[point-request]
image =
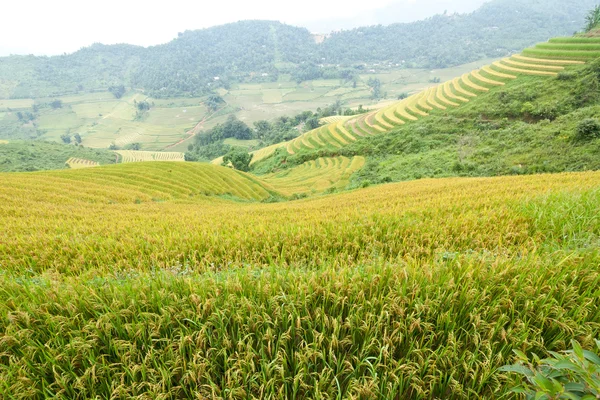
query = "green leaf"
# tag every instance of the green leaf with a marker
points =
(571, 396)
(564, 364)
(517, 368)
(592, 357)
(577, 349)
(544, 383)
(575, 387)
(541, 396)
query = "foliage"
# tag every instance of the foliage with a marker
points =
(593, 19)
(133, 146)
(375, 85)
(207, 152)
(588, 128)
(18, 156)
(247, 50)
(214, 101)
(118, 91)
(574, 374)
(527, 126)
(239, 159)
(232, 128)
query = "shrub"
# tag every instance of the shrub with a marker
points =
(588, 129)
(574, 374)
(566, 76)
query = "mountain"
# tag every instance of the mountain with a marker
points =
(404, 11)
(261, 50)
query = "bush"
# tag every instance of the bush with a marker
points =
(566, 76)
(588, 129)
(574, 374)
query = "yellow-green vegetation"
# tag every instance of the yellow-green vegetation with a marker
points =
(139, 281)
(129, 156)
(3, 141)
(338, 131)
(315, 176)
(36, 155)
(76, 163)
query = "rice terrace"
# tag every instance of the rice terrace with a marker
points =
(409, 210)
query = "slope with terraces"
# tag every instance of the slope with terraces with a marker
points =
(544, 60)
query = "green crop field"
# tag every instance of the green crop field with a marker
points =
(336, 267)
(451, 94)
(172, 280)
(101, 120)
(316, 176)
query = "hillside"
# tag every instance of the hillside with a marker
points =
(417, 249)
(255, 51)
(523, 114)
(20, 156)
(142, 280)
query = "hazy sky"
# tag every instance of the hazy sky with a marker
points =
(54, 27)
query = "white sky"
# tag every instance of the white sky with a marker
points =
(54, 27)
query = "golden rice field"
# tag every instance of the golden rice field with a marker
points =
(3, 141)
(173, 280)
(315, 176)
(545, 60)
(129, 156)
(76, 163)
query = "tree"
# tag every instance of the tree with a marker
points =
(239, 158)
(262, 128)
(234, 128)
(117, 91)
(66, 138)
(214, 101)
(77, 138)
(133, 146)
(143, 106)
(593, 19)
(311, 123)
(375, 85)
(56, 104)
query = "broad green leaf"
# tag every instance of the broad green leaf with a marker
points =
(577, 349)
(592, 357)
(518, 368)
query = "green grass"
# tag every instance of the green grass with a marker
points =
(575, 39)
(17, 156)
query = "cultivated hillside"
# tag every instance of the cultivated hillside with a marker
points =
(148, 281)
(521, 114)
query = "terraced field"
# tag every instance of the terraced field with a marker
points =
(545, 60)
(134, 183)
(315, 176)
(129, 156)
(77, 163)
(567, 48)
(138, 281)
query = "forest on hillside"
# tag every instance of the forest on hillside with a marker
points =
(198, 62)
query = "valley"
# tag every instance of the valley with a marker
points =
(242, 213)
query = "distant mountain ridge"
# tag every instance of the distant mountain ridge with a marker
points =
(262, 50)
